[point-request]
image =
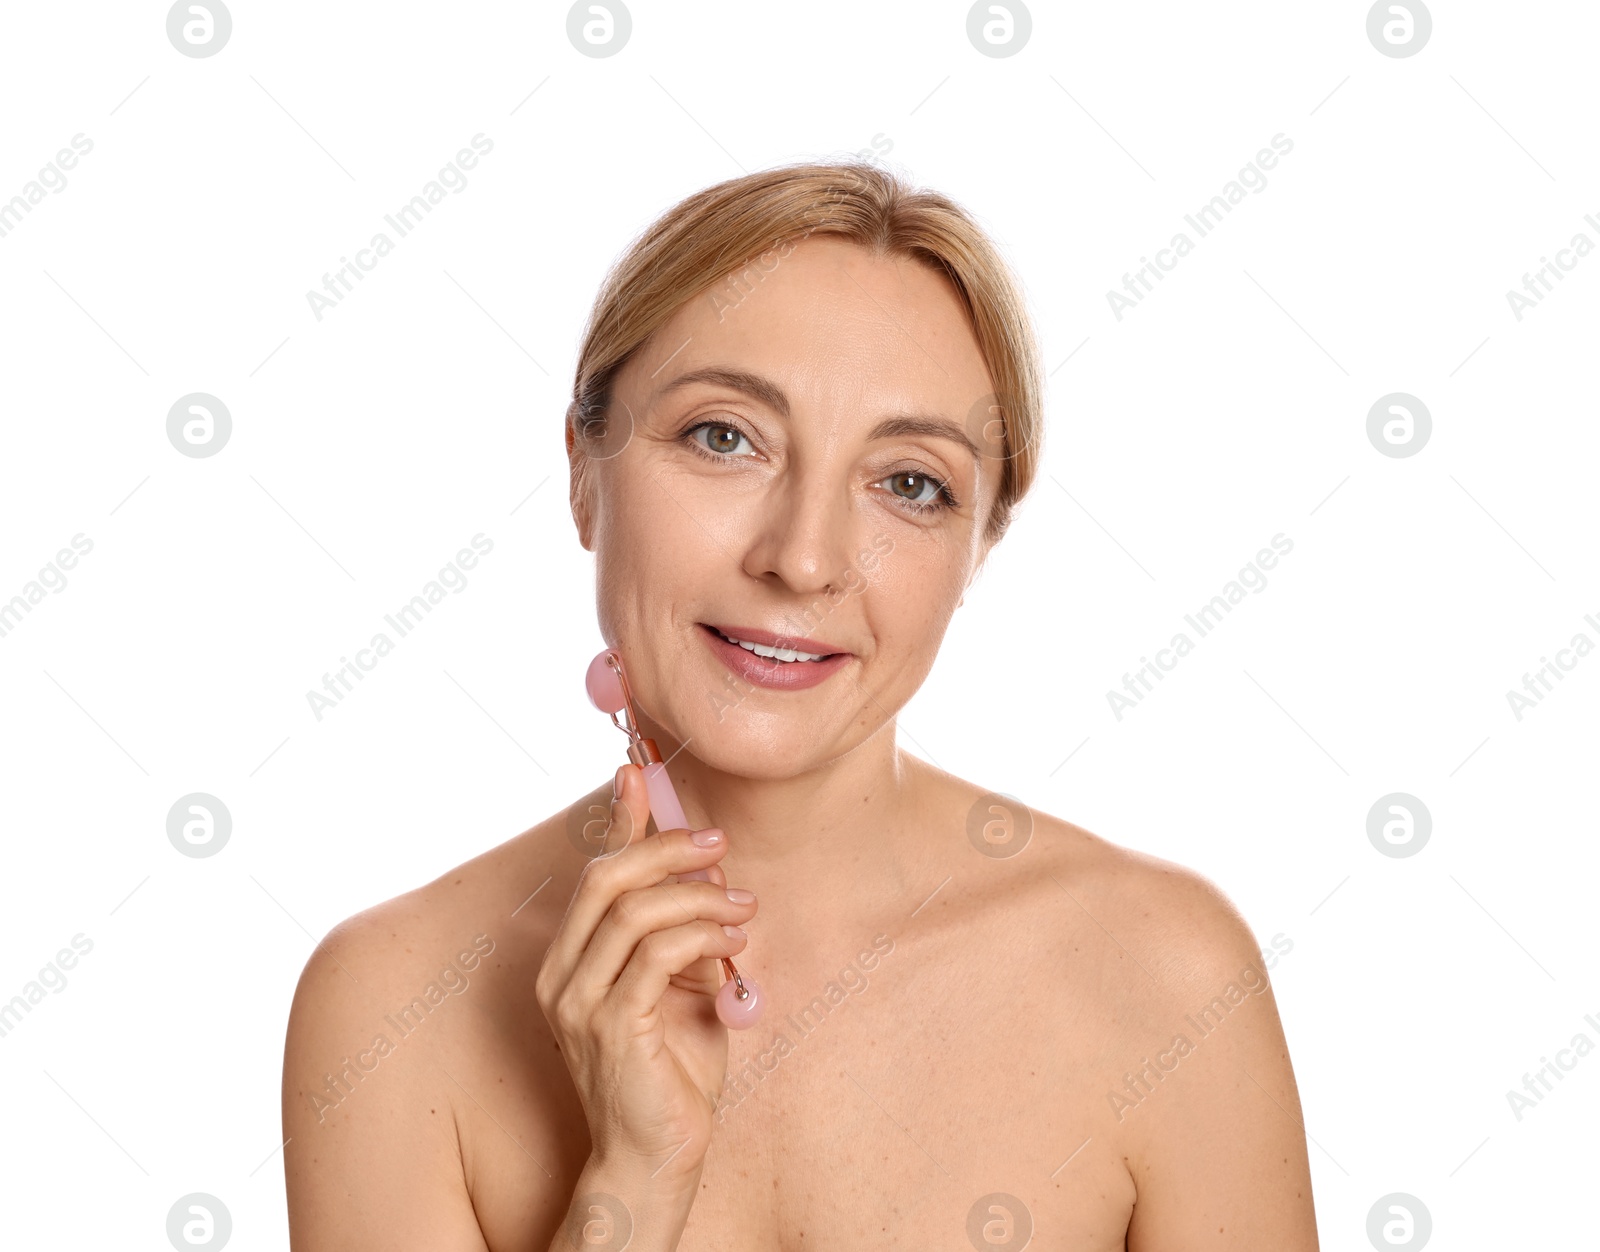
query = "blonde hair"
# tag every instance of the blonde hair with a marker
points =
(726, 229)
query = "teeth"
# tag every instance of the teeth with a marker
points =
(775, 654)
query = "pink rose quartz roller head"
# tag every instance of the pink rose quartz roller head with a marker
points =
(739, 1000)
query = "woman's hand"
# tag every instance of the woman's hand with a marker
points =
(628, 985)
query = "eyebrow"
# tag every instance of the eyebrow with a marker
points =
(771, 395)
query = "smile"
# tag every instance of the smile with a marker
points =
(773, 661)
(776, 654)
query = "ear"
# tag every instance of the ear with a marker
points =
(579, 489)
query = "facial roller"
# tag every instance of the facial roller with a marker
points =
(739, 1000)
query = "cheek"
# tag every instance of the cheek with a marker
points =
(622, 567)
(911, 595)
(654, 552)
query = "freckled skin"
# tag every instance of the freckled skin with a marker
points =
(984, 1009)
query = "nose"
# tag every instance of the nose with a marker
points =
(803, 537)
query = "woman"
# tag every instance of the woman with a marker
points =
(806, 405)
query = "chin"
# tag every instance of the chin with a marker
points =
(750, 732)
(766, 746)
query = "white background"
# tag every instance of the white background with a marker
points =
(369, 446)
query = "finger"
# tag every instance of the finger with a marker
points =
(706, 975)
(642, 863)
(711, 874)
(629, 818)
(637, 914)
(626, 821)
(703, 975)
(664, 955)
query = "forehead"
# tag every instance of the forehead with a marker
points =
(842, 332)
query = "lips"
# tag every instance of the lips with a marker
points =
(754, 634)
(782, 663)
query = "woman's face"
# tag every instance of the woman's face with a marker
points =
(793, 467)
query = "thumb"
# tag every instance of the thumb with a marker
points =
(630, 809)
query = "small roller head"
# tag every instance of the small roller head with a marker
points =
(737, 1014)
(605, 688)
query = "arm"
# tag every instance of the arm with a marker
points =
(1221, 1163)
(372, 1159)
(382, 1147)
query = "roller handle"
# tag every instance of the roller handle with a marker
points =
(664, 806)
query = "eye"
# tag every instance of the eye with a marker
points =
(918, 489)
(722, 440)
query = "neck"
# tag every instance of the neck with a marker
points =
(816, 821)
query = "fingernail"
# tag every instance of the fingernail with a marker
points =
(740, 896)
(710, 837)
(733, 932)
(616, 783)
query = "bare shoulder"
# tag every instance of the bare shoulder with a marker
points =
(1185, 926)
(1171, 940)
(427, 944)
(406, 1023)
(1198, 1087)
(1172, 919)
